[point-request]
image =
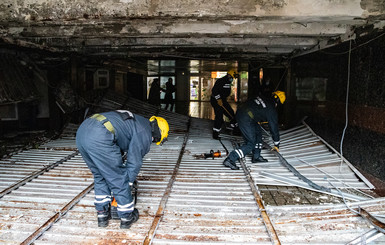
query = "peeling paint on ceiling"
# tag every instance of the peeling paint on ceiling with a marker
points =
(140, 27)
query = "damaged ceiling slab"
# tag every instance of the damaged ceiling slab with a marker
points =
(260, 30)
(47, 193)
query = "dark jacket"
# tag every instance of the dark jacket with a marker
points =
(170, 89)
(222, 88)
(154, 95)
(260, 109)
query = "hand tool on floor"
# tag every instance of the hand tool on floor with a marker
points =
(212, 154)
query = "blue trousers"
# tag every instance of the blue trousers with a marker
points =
(103, 157)
(252, 135)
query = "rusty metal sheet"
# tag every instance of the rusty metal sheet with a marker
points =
(310, 157)
(16, 169)
(80, 225)
(324, 224)
(36, 201)
(209, 203)
(195, 201)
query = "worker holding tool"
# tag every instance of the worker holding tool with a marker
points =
(218, 100)
(102, 140)
(249, 116)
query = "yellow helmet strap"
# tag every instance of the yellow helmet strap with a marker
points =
(164, 140)
(156, 134)
(276, 98)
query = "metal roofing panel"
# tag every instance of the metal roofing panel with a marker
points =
(80, 225)
(314, 159)
(324, 224)
(185, 200)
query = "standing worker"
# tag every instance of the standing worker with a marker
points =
(249, 116)
(155, 90)
(218, 100)
(168, 97)
(102, 140)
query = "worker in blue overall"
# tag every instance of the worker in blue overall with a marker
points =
(102, 140)
(250, 115)
(218, 100)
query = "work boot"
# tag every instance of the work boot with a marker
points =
(231, 164)
(126, 222)
(259, 159)
(103, 218)
(216, 135)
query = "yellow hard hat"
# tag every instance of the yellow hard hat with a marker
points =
(163, 127)
(232, 73)
(279, 96)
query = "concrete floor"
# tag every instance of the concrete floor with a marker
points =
(198, 109)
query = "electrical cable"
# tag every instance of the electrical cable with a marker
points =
(346, 106)
(343, 198)
(283, 74)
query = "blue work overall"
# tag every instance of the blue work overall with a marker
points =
(101, 139)
(249, 115)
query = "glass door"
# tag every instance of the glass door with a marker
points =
(194, 88)
(163, 81)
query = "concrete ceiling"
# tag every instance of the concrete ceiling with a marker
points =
(270, 31)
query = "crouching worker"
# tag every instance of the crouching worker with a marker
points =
(249, 116)
(101, 139)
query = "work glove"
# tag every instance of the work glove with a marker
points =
(220, 102)
(275, 148)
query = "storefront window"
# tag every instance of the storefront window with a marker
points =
(311, 88)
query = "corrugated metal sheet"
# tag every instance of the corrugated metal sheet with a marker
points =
(24, 166)
(208, 202)
(310, 156)
(30, 206)
(325, 224)
(184, 200)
